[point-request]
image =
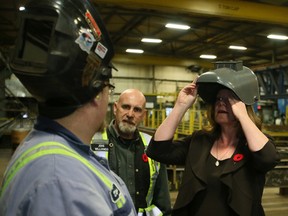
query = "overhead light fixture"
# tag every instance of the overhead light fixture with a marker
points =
(21, 8)
(151, 40)
(237, 47)
(277, 37)
(177, 26)
(205, 56)
(139, 51)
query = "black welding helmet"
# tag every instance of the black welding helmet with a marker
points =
(63, 52)
(232, 75)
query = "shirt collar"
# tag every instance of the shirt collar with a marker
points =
(48, 125)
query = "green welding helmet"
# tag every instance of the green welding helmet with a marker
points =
(231, 75)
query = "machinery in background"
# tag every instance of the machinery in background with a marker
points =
(18, 109)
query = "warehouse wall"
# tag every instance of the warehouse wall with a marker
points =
(151, 79)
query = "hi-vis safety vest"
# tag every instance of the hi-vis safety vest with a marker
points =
(154, 166)
(55, 148)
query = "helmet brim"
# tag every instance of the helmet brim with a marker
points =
(243, 83)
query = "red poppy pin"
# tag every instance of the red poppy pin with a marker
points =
(238, 157)
(144, 157)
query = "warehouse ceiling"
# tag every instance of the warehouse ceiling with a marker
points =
(215, 25)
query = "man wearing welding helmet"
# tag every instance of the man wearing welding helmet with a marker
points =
(63, 57)
(225, 163)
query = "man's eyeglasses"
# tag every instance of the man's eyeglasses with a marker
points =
(111, 88)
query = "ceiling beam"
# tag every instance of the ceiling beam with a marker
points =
(233, 9)
(158, 60)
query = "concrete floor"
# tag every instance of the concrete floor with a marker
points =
(274, 204)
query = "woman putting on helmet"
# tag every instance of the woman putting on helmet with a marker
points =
(225, 164)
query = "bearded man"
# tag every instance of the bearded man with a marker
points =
(124, 146)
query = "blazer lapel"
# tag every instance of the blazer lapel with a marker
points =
(199, 153)
(238, 159)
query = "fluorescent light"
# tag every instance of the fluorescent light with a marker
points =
(177, 26)
(278, 37)
(151, 40)
(237, 47)
(205, 56)
(134, 51)
(21, 8)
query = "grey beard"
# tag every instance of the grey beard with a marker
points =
(126, 128)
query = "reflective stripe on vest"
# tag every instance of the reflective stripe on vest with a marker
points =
(55, 148)
(154, 170)
(154, 167)
(150, 211)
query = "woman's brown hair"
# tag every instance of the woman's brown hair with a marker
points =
(214, 128)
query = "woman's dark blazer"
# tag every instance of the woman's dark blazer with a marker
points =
(245, 178)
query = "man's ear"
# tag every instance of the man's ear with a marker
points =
(144, 113)
(96, 99)
(115, 107)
